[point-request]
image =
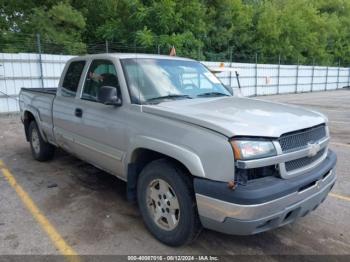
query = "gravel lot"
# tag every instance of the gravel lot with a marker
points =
(89, 208)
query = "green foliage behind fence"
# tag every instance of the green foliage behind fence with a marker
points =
(296, 31)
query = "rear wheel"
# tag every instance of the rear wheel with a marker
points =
(167, 203)
(41, 150)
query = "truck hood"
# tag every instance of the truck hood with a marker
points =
(236, 116)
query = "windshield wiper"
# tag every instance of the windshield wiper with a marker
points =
(171, 96)
(208, 94)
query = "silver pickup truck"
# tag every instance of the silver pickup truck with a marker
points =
(192, 154)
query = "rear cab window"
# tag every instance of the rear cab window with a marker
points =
(72, 78)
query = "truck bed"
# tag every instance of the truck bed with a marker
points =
(39, 101)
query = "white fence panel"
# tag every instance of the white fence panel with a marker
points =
(23, 70)
(304, 79)
(344, 77)
(268, 79)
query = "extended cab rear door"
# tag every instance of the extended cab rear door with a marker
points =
(65, 114)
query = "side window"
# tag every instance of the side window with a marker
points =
(101, 73)
(71, 79)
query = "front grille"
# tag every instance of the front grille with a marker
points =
(299, 139)
(302, 162)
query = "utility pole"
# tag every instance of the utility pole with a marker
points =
(231, 57)
(38, 43)
(338, 74)
(313, 74)
(107, 47)
(326, 84)
(297, 77)
(256, 74)
(278, 73)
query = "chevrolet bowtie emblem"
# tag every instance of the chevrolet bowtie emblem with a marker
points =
(313, 149)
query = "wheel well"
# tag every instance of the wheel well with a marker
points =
(140, 158)
(28, 118)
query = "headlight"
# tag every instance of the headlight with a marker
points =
(250, 149)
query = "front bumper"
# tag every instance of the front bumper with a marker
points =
(264, 203)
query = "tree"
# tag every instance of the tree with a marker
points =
(60, 28)
(298, 30)
(337, 13)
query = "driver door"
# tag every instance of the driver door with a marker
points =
(101, 136)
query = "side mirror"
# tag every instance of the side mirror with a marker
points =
(108, 95)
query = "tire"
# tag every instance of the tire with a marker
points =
(183, 225)
(41, 150)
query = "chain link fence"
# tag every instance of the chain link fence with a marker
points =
(35, 63)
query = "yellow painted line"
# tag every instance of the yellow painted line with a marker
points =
(45, 224)
(340, 196)
(340, 144)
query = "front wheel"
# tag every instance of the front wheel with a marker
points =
(41, 150)
(167, 203)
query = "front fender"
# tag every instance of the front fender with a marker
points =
(184, 155)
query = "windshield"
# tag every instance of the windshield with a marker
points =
(155, 80)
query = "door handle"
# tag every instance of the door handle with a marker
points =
(78, 112)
